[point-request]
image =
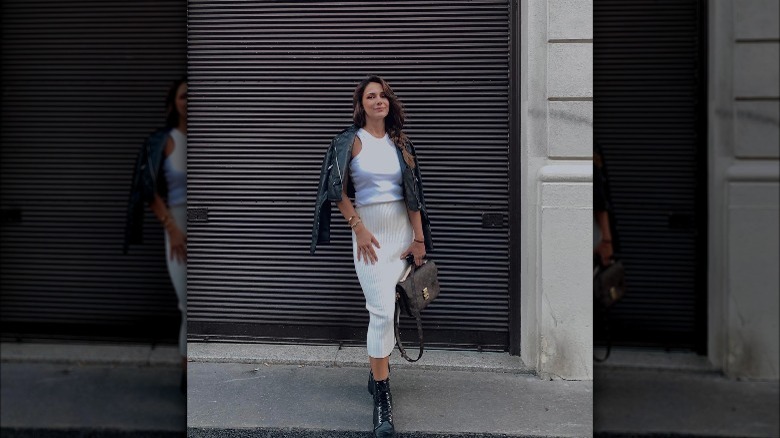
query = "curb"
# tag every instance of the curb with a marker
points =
(614, 434)
(353, 357)
(10, 432)
(91, 354)
(195, 432)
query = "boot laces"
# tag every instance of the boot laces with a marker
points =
(385, 403)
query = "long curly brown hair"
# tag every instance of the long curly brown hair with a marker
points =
(394, 122)
(171, 113)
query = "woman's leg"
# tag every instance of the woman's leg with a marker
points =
(390, 225)
(178, 273)
(380, 367)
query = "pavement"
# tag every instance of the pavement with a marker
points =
(239, 390)
(78, 390)
(645, 393)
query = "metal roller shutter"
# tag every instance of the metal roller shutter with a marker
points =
(649, 69)
(271, 84)
(83, 83)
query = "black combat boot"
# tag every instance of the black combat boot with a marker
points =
(383, 410)
(371, 379)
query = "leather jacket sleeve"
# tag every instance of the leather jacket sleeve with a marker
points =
(147, 181)
(421, 199)
(320, 232)
(152, 176)
(135, 206)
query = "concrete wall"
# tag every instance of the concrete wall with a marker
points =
(744, 175)
(557, 214)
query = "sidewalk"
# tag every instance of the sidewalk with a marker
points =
(289, 391)
(658, 394)
(239, 390)
(80, 390)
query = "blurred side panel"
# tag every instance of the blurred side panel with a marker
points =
(650, 119)
(744, 188)
(83, 83)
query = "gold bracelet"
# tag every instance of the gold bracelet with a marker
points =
(349, 221)
(355, 224)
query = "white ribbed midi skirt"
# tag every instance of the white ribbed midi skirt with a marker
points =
(389, 223)
(178, 272)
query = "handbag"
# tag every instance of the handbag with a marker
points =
(609, 286)
(416, 289)
(609, 283)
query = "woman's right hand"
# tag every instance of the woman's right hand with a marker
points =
(178, 242)
(365, 245)
(605, 252)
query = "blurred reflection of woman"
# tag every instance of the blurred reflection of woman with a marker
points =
(160, 181)
(173, 216)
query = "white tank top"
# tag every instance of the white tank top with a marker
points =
(175, 166)
(375, 171)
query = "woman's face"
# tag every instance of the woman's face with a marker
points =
(181, 99)
(375, 103)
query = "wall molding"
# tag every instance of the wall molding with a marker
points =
(754, 171)
(567, 173)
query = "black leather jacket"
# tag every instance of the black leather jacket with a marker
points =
(148, 179)
(334, 167)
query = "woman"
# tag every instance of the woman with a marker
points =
(173, 216)
(160, 181)
(374, 160)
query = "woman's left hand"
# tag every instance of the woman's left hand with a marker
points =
(416, 249)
